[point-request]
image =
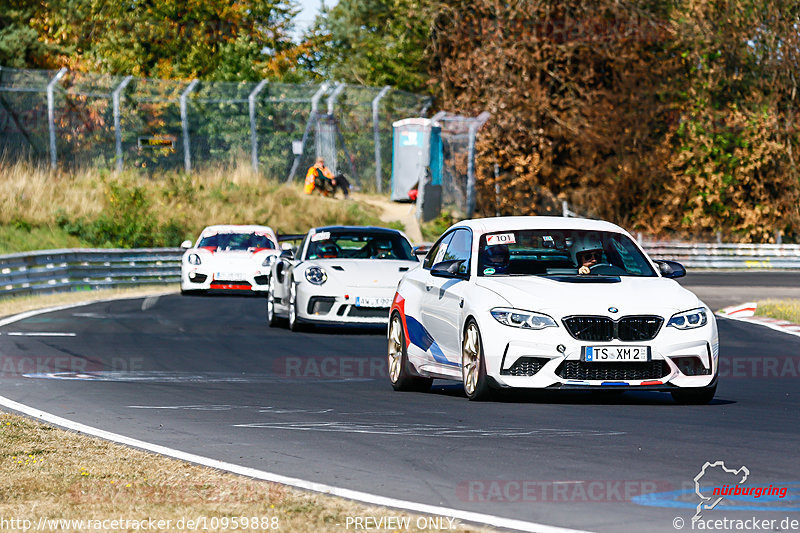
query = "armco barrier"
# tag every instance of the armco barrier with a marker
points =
(85, 269)
(727, 256)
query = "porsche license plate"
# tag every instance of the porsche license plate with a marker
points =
(372, 302)
(230, 276)
(616, 354)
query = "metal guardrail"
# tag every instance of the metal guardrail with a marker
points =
(727, 256)
(86, 269)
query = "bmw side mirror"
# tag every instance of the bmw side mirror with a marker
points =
(287, 254)
(671, 269)
(186, 245)
(449, 269)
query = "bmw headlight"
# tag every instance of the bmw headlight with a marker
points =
(691, 319)
(268, 261)
(194, 259)
(316, 275)
(522, 319)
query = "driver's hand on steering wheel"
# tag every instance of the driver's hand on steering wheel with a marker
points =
(584, 270)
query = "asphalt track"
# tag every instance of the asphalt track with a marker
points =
(207, 376)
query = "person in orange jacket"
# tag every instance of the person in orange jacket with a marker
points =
(320, 177)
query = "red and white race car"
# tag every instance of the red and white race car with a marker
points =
(229, 259)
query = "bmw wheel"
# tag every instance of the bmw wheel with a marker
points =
(399, 367)
(473, 366)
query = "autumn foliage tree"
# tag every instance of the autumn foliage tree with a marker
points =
(665, 117)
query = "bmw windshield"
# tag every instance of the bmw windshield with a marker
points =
(560, 253)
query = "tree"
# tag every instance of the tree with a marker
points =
(372, 42)
(207, 39)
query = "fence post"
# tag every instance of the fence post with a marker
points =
(376, 130)
(473, 132)
(187, 157)
(253, 134)
(117, 128)
(51, 115)
(314, 107)
(427, 105)
(335, 96)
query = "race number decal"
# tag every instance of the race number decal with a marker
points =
(500, 238)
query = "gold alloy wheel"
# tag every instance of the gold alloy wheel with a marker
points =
(471, 359)
(395, 349)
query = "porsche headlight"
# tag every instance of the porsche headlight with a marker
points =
(691, 319)
(518, 318)
(194, 259)
(268, 261)
(316, 275)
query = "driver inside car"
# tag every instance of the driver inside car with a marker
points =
(588, 257)
(496, 259)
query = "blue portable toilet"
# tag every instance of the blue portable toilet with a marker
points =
(417, 160)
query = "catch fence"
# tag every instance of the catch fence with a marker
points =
(75, 119)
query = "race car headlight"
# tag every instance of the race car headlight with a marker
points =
(268, 261)
(691, 319)
(316, 275)
(194, 259)
(522, 319)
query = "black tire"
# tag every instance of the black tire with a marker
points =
(699, 396)
(400, 375)
(294, 322)
(473, 364)
(272, 317)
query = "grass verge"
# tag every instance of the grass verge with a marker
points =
(42, 209)
(780, 309)
(20, 304)
(51, 474)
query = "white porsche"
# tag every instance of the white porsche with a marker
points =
(548, 302)
(340, 275)
(229, 259)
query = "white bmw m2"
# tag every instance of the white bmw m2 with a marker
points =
(550, 303)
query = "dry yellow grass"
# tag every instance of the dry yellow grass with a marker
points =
(36, 196)
(51, 474)
(19, 304)
(780, 309)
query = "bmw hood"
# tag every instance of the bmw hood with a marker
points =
(364, 272)
(630, 295)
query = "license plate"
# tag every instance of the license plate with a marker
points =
(230, 276)
(616, 354)
(373, 302)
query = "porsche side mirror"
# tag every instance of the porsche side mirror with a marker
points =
(449, 269)
(671, 269)
(287, 254)
(186, 245)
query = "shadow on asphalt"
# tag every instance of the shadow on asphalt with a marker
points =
(558, 397)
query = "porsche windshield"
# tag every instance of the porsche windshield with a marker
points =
(358, 245)
(560, 253)
(237, 242)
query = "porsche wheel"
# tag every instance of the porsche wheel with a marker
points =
(473, 366)
(399, 372)
(294, 323)
(272, 317)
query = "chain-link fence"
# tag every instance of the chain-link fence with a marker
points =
(72, 119)
(459, 134)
